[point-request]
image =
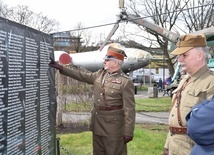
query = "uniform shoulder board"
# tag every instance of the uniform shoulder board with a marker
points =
(124, 75)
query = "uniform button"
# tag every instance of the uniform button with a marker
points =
(98, 100)
(96, 113)
(112, 92)
(101, 94)
(172, 115)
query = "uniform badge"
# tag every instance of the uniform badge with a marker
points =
(116, 81)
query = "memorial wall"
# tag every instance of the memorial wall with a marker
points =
(27, 92)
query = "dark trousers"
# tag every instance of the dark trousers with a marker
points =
(108, 145)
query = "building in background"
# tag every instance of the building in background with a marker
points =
(63, 41)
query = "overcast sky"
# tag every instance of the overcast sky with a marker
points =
(70, 12)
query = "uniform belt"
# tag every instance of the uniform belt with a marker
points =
(178, 130)
(109, 108)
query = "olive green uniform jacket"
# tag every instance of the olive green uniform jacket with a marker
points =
(109, 89)
(199, 88)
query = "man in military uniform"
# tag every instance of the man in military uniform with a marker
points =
(195, 87)
(113, 116)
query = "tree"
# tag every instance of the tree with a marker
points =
(198, 16)
(161, 13)
(3, 10)
(80, 33)
(85, 43)
(20, 14)
(168, 15)
(44, 24)
(23, 15)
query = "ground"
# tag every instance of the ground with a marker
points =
(79, 127)
(72, 128)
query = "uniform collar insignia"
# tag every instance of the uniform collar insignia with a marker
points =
(112, 74)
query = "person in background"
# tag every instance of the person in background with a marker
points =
(200, 127)
(196, 86)
(113, 116)
(165, 85)
(168, 80)
(160, 85)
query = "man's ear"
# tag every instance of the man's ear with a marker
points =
(200, 55)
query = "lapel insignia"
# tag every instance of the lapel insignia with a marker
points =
(116, 81)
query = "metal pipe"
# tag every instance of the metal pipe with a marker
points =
(57, 145)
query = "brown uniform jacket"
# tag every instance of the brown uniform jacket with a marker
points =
(199, 88)
(109, 89)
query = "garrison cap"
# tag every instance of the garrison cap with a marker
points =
(188, 42)
(115, 51)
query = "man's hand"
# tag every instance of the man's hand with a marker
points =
(165, 151)
(127, 139)
(55, 64)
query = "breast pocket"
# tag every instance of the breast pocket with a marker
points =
(113, 90)
(196, 96)
(200, 94)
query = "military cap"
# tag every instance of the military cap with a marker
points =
(188, 42)
(115, 51)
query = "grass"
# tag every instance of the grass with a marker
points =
(153, 104)
(148, 139)
(142, 104)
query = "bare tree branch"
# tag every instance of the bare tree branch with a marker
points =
(198, 15)
(4, 11)
(194, 15)
(23, 15)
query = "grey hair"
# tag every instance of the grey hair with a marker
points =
(205, 50)
(120, 62)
